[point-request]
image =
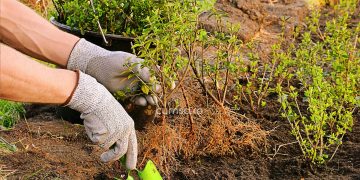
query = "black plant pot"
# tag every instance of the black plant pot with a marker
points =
(140, 114)
(115, 42)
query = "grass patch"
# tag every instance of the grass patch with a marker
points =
(10, 112)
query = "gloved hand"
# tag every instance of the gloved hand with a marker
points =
(105, 120)
(110, 68)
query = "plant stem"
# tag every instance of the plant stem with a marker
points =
(205, 87)
(188, 106)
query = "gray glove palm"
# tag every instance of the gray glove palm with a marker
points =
(108, 68)
(105, 120)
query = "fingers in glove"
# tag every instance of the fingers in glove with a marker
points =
(145, 100)
(132, 84)
(132, 151)
(140, 101)
(151, 99)
(157, 88)
(122, 82)
(143, 72)
(115, 152)
(96, 131)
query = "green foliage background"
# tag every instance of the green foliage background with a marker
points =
(115, 16)
(10, 112)
(319, 89)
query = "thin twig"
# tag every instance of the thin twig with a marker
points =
(188, 106)
(5, 172)
(99, 25)
(336, 149)
(280, 146)
(8, 145)
(226, 78)
(298, 132)
(238, 114)
(272, 130)
(205, 87)
(181, 80)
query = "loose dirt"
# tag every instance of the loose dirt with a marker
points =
(51, 148)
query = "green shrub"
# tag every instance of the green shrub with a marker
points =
(115, 16)
(175, 47)
(10, 112)
(168, 43)
(323, 86)
(185, 58)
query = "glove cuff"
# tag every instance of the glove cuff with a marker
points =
(82, 53)
(87, 94)
(73, 91)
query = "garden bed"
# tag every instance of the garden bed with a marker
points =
(49, 147)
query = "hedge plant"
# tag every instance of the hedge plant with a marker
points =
(124, 17)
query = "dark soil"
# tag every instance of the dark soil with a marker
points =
(287, 164)
(51, 148)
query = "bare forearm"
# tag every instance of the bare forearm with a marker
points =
(25, 80)
(23, 29)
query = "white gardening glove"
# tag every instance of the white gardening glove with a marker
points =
(105, 120)
(110, 68)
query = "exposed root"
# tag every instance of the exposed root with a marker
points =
(213, 132)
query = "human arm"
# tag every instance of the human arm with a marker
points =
(25, 80)
(29, 33)
(105, 120)
(23, 29)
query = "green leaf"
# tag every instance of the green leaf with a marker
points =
(263, 103)
(145, 89)
(150, 172)
(129, 177)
